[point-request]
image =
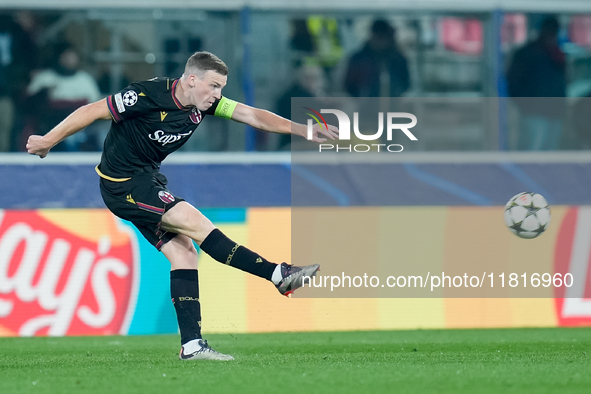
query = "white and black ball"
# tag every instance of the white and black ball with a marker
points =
(527, 215)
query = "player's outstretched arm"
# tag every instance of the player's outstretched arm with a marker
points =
(76, 121)
(268, 121)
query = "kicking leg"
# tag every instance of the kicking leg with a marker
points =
(185, 219)
(184, 290)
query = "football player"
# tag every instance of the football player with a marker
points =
(150, 120)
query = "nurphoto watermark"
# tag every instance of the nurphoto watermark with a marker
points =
(392, 125)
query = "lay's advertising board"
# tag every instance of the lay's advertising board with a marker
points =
(67, 272)
(85, 272)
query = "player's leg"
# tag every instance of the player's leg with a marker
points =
(146, 202)
(142, 200)
(187, 220)
(184, 291)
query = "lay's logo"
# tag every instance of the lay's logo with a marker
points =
(66, 272)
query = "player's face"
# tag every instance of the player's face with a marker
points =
(208, 88)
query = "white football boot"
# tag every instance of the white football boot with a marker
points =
(201, 352)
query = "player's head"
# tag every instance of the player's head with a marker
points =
(204, 77)
(200, 62)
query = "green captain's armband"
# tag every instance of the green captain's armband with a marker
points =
(225, 108)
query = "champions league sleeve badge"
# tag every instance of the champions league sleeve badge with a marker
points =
(129, 98)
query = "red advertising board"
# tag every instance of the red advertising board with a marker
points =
(573, 254)
(69, 272)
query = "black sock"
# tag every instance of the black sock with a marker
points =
(184, 290)
(226, 251)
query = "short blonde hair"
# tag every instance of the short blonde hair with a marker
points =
(205, 61)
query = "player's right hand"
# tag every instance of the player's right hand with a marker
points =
(331, 132)
(36, 145)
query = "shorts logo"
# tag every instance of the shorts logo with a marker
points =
(119, 102)
(130, 98)
(196, 116)
(166, 197)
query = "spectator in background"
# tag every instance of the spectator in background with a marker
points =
(539, 70)
(301, 40)
(309, 82)
(379, 69)
(18, 57)
(317, 39)
(63, 89)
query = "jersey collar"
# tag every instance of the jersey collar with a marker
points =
(176, 101)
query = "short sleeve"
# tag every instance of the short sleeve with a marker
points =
(223, 108)
(129, 103)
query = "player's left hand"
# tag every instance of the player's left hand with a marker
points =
(36, 145)
(332, 132)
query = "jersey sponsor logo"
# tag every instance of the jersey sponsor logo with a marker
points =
(165, 196)
(196, 116)
(119, 102)
(165, 139)
(129, 98)
(163, 115)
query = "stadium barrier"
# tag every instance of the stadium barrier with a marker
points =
(77, 270)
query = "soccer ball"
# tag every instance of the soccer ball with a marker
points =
(527, 215)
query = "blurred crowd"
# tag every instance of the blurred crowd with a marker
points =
(36, 91)
(40, 84)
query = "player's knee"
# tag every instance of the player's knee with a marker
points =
(181, 252)
(203, 225)
(198, 225)
(183, 215)
(185, 219)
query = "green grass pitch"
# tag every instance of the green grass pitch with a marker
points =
(549, 360)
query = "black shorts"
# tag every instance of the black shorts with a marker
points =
(142, 200)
